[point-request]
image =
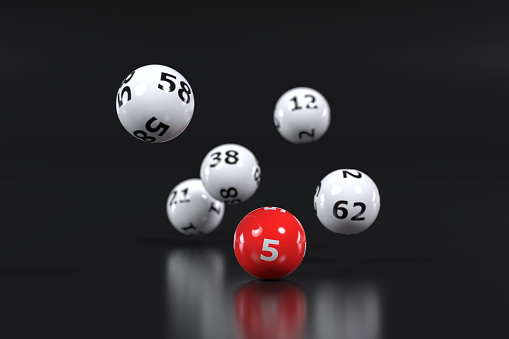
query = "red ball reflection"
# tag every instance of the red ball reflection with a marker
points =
(270, 309)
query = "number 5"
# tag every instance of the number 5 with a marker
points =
(272, 250)
(160, 126)
(166, 78)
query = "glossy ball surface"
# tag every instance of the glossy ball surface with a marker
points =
(230, 173)
(269, 243)
(155, 103)
(302, 115)
(347, 201)
(191, 210)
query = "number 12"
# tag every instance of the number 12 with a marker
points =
(311, 104)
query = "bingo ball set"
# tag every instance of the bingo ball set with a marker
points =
(155, 104)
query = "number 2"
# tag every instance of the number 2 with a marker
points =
(272, 250)
(303, 133)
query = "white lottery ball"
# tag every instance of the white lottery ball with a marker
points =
(155, 103)
(347, 201)
(191, 210)
(230, 173)
(302, 115)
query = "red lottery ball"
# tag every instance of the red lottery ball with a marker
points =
(269, 243)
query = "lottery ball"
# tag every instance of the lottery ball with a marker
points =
(230, 173)
(155, 103)
(347, 201)
(302, 115)
(269, 243)
(191, 210)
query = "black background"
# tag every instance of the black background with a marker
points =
(417, 93)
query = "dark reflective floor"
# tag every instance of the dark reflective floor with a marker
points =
(204, 302)
(418, 297)
(180, 288)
